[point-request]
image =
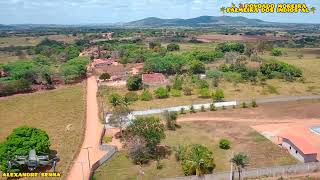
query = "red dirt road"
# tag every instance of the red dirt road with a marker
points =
(80, 169)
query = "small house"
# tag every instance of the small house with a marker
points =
(299, 148)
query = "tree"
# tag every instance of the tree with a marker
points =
(137, 150)
(240, 161)
(218, 95)
(161, 93)
(222, 10)
(313, 9)
(119, 117)
(20, 142)
(204, 93)
(196, 67)
(105, 76)
(195, 159)
(134, 83)
(276, 52)
(71, 52)
(149, 128)
(173, 47)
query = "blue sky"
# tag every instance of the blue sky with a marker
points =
(111, 11)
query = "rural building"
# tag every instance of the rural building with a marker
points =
(300, 148)
(154, 79)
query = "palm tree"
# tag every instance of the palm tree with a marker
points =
(240, 161)
(222, 9)
(313, 9)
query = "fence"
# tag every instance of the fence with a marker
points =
(275, 171)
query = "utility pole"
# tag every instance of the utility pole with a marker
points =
(87, 148)
(231, 168)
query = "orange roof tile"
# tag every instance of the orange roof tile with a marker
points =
(301, 143)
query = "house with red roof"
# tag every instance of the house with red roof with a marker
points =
(154, 79)
(300, 148)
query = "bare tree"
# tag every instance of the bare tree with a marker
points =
(119, 117)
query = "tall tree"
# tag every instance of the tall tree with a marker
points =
(240, 161)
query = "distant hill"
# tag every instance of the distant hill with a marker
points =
(198, 21)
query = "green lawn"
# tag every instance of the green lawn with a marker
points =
(243, 139)
(60, 112)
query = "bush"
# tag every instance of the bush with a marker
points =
(177, 83)
(104, 76)
(204, 93)
(20, 142)
(231, 46)
(203, 84)
(14, 86)
(254, 103)
(132, 96)
(192, 110)
(182, 111)
(171, 119)
(107, 139)
(74, 69)
(134, 83)
(173, 47)
(203, 109)
(115, 99)
(175, 93)
(218, 95)
(195, 159)
(212, 107)
(214, 74)
(244, 105)
(196, 67)
(276, 52)
(145, 96)
(224, 144)
(161, 93)
(269, 68)
(187, 91)
(138, 150)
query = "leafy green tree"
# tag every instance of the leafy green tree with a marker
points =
(224, 144)
(196, 67)
(21, 70)
(218, 95)
(173, 47)
(240, 161)
(74, 69)
(204, 93)
(145, 96)
(132, 96)
(231, 46)
(161, 93)
(71, 52)
(149, 128)
(105, 76)
(20, 142)
(134, 83)
(196, 160)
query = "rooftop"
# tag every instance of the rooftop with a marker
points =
(154, 78)
(301, 143)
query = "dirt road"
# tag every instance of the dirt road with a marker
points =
(90, 147)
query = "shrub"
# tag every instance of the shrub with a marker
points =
(223, 107)
(107, 139)
(104, 76)
(203, 109)
(134, 83)
(244, 105)
(203, 84)
(161, 93)
(276, 52)
(20, 142)
(224, 144)
(192, 110)
(115, 99)
(187, 91)
(74, 69)
(195, 159)
(182, 111)
(231, 46)
(171, 119)
(218, 95)
(138, 150)
(254, 103)
(214, 74)
(269, 67)
(14, 86)
(145, 96)
(132, 96)
(173, 47)
(232, 77)
(212, 107)
(175, 93)
(204, 93)
(196, 67)
(177, 83)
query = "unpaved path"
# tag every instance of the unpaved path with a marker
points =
(80, 169)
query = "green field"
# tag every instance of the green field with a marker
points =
(205, 133)
(60, 112)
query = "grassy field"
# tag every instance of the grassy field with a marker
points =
(60, 112)
(243, 139)
(310, 64)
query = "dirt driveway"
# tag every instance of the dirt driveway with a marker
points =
(90, 147)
